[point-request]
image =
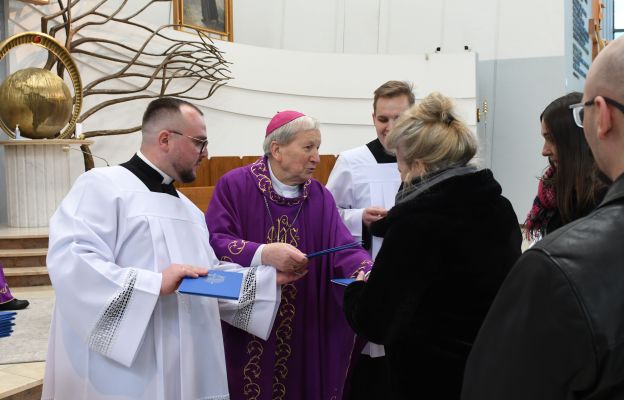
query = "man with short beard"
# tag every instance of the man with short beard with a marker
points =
(120, 243)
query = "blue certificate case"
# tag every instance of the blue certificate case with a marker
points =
(7, 315)
(6, 323)
(343, 281)
(219, 284)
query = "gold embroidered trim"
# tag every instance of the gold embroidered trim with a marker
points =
(283, 334)
(260, 171)
(363, 265)
(284, 232)
(235, 247)
(252, 369)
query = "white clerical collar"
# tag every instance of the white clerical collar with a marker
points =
(284, 190)
(166, 178)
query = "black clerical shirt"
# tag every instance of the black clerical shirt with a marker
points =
(149, 176)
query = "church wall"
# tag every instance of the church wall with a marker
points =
(494, 28)
(520, 47)
(518, 44)
(335, 88)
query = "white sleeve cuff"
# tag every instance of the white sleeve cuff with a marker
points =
(120, 328)
(257, 258)
(259, 301)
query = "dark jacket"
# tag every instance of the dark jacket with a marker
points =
(443, 258)
(556, 329)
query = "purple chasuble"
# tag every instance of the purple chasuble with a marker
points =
(5, 293)
(309, 350)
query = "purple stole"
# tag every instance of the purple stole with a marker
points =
(309, 350)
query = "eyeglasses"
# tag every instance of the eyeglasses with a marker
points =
(199, 143)
(578, 110)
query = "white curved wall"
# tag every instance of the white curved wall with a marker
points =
(496, 29)
(521, 67)
(335, 88)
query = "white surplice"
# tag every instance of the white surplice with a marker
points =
(112, 335)
(357, 182)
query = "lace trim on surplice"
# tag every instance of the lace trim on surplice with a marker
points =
(108, 323)
(246, 301)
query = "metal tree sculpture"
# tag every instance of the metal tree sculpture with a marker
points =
(174, 69)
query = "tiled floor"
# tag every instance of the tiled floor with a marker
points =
(15, 378)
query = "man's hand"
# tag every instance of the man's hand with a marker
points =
(288, 277)
(284, 257)
(361, 276)
(173, 275)
(372, 214)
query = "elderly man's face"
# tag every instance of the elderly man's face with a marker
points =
(297, 160)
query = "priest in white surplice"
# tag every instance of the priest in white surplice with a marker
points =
(364, 183)
(120, 243)
(365, 180)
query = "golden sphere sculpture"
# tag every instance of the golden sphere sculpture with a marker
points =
(36, 99)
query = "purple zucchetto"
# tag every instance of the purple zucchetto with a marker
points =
(282, 118)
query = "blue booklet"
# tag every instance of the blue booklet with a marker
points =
(343, 281)
(6, 325)
(7, 315)
(220, 284)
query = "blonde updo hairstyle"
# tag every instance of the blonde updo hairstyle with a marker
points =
(431, 133)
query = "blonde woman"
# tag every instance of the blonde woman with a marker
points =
(448, 244)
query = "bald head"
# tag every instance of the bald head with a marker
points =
(606, 75)
(603, 99)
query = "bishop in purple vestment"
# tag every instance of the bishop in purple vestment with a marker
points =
(273, 205)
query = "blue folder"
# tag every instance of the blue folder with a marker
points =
(220, 284)
(7, 315)
(343, 281)
(6, 327)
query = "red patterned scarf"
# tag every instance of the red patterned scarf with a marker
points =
(544, 207)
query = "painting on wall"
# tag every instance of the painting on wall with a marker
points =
(214, 16)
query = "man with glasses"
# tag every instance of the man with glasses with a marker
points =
(120, 243)
(556, 328)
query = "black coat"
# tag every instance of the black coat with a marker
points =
(443, 258)
(556, 328)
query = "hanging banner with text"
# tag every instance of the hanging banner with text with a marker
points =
(577, 43)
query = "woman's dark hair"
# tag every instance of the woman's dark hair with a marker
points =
(577, 180)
